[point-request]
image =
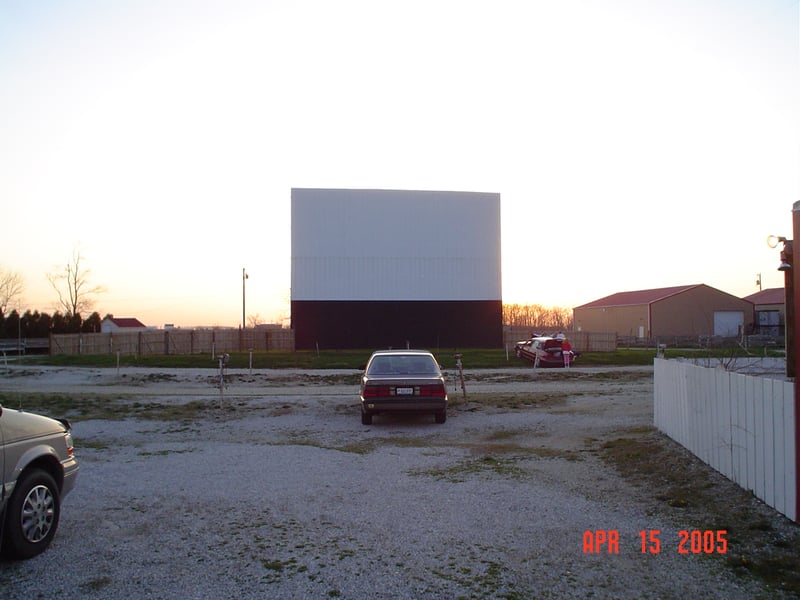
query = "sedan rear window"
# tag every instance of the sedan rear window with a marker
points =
(403, 364)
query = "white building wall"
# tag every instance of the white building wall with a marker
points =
(395, 245)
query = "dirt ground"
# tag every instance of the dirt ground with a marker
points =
(542, 483)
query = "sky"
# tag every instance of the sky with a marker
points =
(635, 144)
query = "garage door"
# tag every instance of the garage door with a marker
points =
(728, 323)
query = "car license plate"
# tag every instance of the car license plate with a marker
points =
(405, 391)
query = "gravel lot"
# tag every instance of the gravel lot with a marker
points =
(272, 488)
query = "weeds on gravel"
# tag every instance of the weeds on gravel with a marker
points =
(267, 379)
(487, 579)
(298, 438)
(111, 407)
(516, 401)
(72, 405)
(166, 452)
(460, 472)
(96, 584)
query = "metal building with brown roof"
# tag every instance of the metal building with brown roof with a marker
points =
(686, 310)
(770, 311)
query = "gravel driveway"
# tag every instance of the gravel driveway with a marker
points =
(272, 488)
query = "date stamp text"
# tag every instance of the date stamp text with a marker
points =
(651, 541)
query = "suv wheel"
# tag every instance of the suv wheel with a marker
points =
(366, 418)
(31, 515)
(441, 416)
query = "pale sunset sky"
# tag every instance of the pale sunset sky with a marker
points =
(635, 143)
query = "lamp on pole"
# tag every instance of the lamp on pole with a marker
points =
(244, 278)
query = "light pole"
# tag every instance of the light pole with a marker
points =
(244, 278)
(786, 266)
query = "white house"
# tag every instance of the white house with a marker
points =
(117, 324)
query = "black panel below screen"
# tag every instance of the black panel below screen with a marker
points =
(395, 324)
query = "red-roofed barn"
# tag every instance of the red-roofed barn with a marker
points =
(687, 310)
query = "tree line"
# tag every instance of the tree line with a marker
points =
(537, 316)
(35, 324)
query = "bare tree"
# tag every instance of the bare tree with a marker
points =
(11, 287)
(75, 294)
(254, 321)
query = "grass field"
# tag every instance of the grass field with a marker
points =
(355, 359)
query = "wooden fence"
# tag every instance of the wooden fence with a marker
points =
(200, 341)
(173, 341)
(742, 426)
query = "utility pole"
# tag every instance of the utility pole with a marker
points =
(244, 278)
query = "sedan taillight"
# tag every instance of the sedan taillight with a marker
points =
(436, 390)
(376, 391)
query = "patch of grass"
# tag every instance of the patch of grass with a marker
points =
(356, 448)
(96, 584)
(92, 445)
(109, 407)
(506, 434)
(503, 467)
(72, 405)
(273, 565)
(514, 401)
(486, 578)
(166, 452)
(364, 447)
(294, 379)
(473, 358)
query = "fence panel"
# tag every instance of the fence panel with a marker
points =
(179, 341)
(738, 430)
(64, 344)
(123, 343)
(742, 426)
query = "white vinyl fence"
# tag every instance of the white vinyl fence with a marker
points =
(742, 426)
